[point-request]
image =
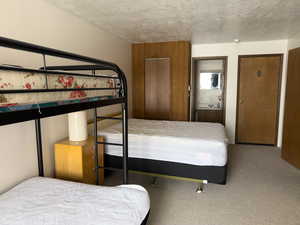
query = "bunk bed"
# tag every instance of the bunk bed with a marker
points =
(32, 94)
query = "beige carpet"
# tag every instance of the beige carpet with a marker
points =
(262, 189)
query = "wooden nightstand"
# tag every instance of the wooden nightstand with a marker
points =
(75, 160)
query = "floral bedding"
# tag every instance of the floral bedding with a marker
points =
(13, 80)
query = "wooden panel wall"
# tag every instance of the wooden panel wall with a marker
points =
(180, 82)
(138, 81)
(179, 53)
(291, 140)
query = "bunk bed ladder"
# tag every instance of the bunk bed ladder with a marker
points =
(124, 143)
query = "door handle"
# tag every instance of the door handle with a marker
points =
(241, 101)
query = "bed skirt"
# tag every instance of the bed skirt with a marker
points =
(213, 174)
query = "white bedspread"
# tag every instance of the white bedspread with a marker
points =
(46, 201)
(195, 143)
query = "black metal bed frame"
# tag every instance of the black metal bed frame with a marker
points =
(37, 114)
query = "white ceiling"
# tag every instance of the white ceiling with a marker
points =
(202, 21)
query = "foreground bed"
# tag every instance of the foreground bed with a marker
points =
(44, 201)
(183, 149)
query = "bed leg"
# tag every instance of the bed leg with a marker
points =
(153, 181)
(200, 187)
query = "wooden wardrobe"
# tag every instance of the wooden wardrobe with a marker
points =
(291, 137)
(161, 73)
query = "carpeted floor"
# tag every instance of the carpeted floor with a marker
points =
(262, 189)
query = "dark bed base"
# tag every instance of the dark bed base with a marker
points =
(213, 174)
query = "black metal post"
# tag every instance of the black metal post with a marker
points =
(39, 147)
(125, 141)
(96, 146)
(96, 141)
(45, 65)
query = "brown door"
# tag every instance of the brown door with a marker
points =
(258, 99)
(157, 89)
(291, 138)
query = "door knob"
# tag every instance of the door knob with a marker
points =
(241, 101)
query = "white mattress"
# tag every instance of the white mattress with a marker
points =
(46, 201)
(194, 143)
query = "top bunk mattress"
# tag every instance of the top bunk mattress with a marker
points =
(12, 107)
(195, 143)
(27, 94)
(30, 80)
(51, 201)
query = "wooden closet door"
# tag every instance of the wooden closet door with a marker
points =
(138, 81)
(258, 99)
(291, 139)
(157, 89)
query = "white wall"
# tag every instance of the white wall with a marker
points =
(38, 22)
(210, 65)
(232, 51)
(294, 41)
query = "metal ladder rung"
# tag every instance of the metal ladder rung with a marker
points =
(124, 143)
(109, 118)
(107, 143)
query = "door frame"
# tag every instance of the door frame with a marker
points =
(278, 95)
(192, 82)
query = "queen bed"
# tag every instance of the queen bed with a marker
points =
(174, 148)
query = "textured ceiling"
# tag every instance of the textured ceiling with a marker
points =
(202, 21)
